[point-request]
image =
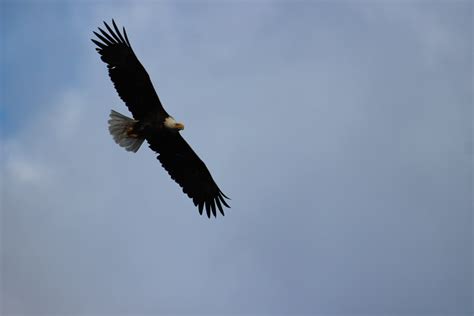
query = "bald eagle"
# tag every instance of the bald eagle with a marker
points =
(152, 123)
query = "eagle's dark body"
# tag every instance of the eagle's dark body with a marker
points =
(152, 123)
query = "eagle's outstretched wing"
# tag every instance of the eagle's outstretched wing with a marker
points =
(187, 169)
(130, 78)
(135, 88)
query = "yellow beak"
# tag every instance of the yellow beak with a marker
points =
(179, 126)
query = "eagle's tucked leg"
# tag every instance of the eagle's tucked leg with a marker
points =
(131, 132)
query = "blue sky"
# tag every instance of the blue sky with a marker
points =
(341, 131)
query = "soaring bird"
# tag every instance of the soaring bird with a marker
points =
(152, 123)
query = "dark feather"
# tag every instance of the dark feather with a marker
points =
(208, 210)
(101, 45)
(128, 75)
(118, 32)
(126, 37)
(187, 169)
(219, 206)
(110, 40)
(201, 204)
(213, 207)
(112, 32)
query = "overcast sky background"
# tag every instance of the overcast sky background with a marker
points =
(341, 131)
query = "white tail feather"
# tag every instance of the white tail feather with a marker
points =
(119, 126)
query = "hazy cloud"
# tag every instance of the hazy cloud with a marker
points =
(342, 133)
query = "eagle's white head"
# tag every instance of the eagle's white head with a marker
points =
(171, 123)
